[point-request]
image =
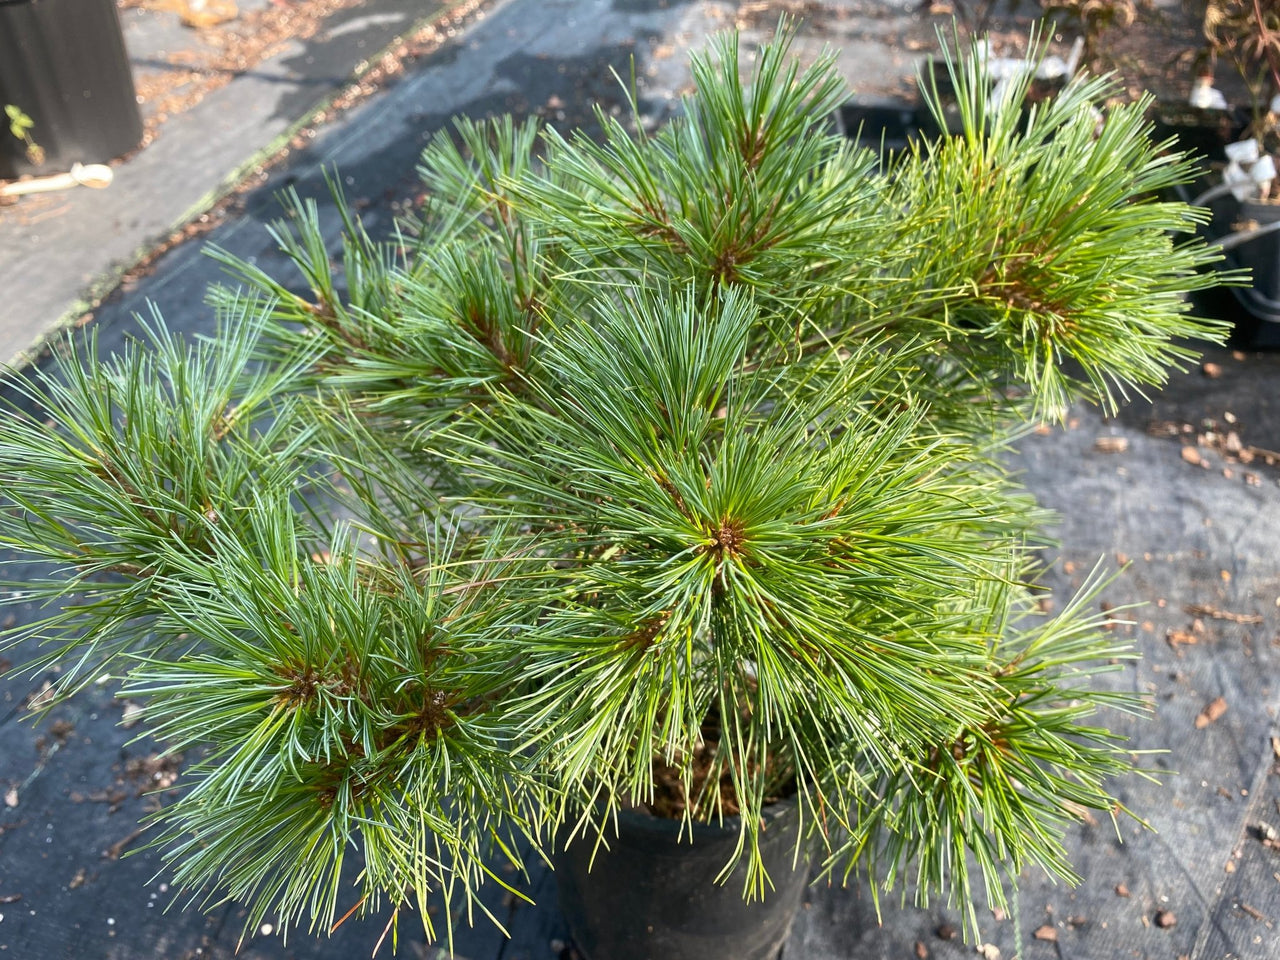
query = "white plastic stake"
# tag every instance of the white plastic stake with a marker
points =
(95, 175)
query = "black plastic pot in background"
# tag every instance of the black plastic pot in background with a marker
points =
(1252, 310)
(887, 126)
(1204, 133)
(1251, 241)
(892, 126)
(654, 896)
(1246, 232)
(63, 64)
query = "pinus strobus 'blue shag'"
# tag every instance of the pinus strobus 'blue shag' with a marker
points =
(621, 437)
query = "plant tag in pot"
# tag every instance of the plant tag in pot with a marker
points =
(1264, 171)
(1205, 96)
(1239, 181)
(1242, 152)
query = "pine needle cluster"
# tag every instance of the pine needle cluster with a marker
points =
(445, 547)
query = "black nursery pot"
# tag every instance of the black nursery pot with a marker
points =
(654, 896)
(63, 63)
(1253, 309)
(1204, 133)
(889, 126)
(1261, 298)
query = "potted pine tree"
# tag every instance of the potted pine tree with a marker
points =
(651, 484)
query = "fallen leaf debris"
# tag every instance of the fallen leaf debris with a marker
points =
(1204, 610)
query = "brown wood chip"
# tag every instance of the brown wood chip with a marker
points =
(1166, 919)
(922, 951)
(1211, 713)
(1193, 456)
(1111, 444)
(1047, 932)
(1176, 637)
(1122, 890)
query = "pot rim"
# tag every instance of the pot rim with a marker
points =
(640, 820)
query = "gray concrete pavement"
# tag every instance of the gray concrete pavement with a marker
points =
(60, 253)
